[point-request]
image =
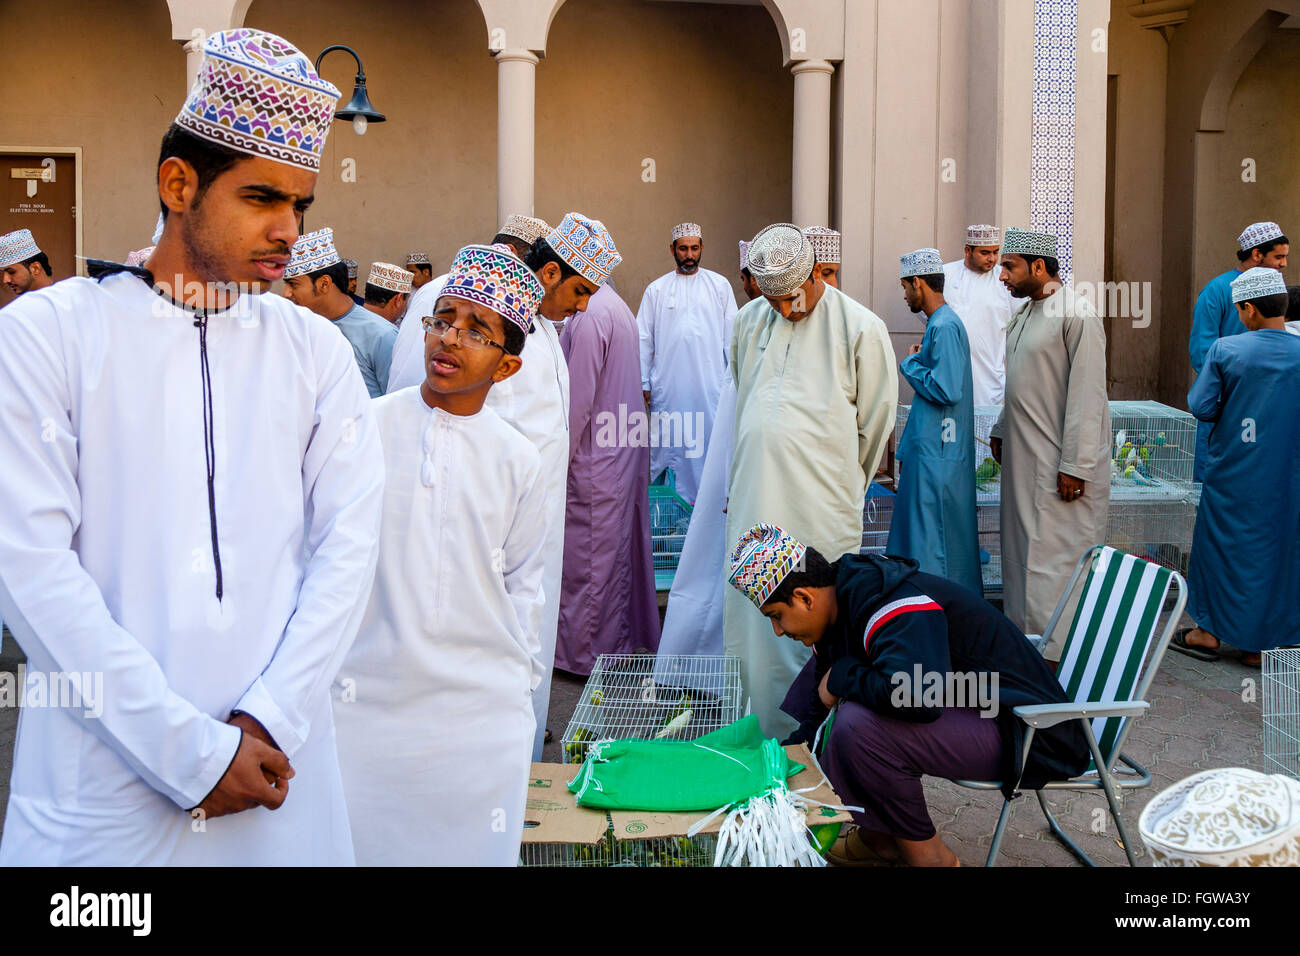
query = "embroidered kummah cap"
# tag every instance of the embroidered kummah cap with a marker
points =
(17, 246)
(684, 229)
(493, 276)
(385, 275)
(586, 245)
(525, 228)
(138, 257)
(825, 243)
(744, 254)
(418, 259)
(1025, 242)
(352, 267)
(258, 94)
(921, 262)
(312, 251)
(780, 259)
(1225, 817)
(983, 235)
(760, 561)
(1258, 233)
(1256, 282)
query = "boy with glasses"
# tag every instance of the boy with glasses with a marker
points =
(434, 702)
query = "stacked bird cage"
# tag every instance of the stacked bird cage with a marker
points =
(1152, 496)
(653, 696)
(1280, 674)
(670, 516)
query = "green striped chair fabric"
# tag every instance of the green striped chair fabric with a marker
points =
(1113, 629)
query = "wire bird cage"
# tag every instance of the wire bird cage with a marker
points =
(877, 513)
(1281, 704)
(1151, 442)
(646, 696)
(697, 851)
(670, 516)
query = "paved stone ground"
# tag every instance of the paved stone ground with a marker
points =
(1198, 720)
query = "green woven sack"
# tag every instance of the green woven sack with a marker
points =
(728, 765)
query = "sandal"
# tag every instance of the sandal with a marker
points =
(1179, 643)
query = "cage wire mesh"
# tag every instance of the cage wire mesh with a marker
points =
(670, 516)
(694, 851)
(1152, 496)
(1281, 705)
(644, 696)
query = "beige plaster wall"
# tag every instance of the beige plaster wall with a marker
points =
(697, 88)
(68, 81)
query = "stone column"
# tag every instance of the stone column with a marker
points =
(516, 85)
(811, 186)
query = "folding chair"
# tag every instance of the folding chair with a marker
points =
(1102, 672)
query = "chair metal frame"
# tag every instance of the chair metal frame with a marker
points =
(1133, 775)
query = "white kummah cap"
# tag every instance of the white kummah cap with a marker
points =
(761, 560)
(780, 259)
(138, 257)
(983, 235)
(418, 259)
(922, 262)
(744, 254)
(1025, 242)
(684, 229)
(586, 245)
(258, 94)
(17, 246)
(385, 275)
(311, 252)
(1225, 817)
(525, 228)
(352, 267)
(825, 243)
(1256, 282)
(1258, 233)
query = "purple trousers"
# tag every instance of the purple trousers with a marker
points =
(877, 762)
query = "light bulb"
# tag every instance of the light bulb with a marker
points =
(359, 124)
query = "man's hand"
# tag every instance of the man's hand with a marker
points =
(258, 776)
(914, 348)
(251, 725)
(995, 446)
(646, 395)
(1068, 486)
(827, 697)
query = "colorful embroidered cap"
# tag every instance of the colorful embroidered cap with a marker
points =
(418, 259)
(586, 245)
(1256, 282)
(258, 94)
(493, 276)
(17, 246)
(385, 275)
(825, 243)
(983, 235)
(760, 561)
(1025, 242)
(524, 228)
(312, 251)
(684, 229)
(1258, 233)
(921, 262)
(352, 267)
(780, 259)
(744, 254)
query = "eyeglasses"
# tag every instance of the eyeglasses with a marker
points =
(471, 338)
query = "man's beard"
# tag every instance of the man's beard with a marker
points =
(688, 265)
(201, 254)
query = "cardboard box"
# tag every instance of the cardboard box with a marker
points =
(558, 832)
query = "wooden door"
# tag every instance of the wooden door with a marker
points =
(40, 193)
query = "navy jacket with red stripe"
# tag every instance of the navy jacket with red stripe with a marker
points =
(895, 620)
